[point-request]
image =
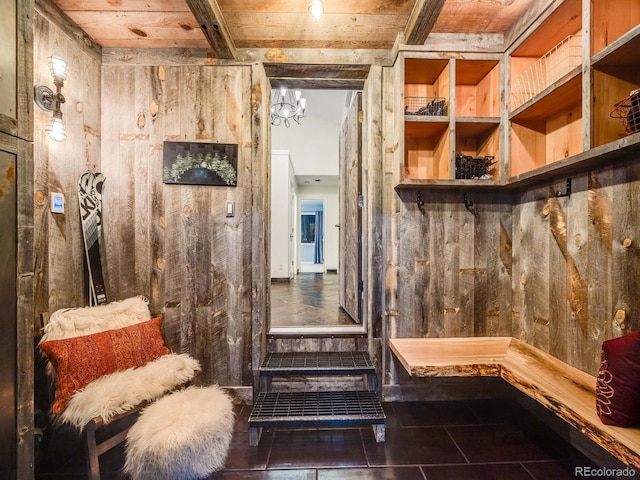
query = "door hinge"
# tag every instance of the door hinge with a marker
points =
(360, 286)
(360, 116)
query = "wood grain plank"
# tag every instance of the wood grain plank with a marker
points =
(214, 26)
(422, 20)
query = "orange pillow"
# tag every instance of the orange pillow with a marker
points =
(80, 360)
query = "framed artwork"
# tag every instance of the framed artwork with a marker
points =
(197, 163)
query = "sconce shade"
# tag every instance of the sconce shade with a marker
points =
(58, 68)
(316, 9)
(57, 130)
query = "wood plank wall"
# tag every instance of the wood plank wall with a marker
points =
(174, 243)
(454, 265)
(576, 262)
(171, 243)
(59, 279)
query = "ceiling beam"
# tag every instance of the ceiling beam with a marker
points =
(422, 19)
(209, 16)
(310, 76)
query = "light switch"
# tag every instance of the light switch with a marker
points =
(231, 208)
(57, 202)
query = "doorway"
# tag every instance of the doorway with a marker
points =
(315, 149)
(312, 230)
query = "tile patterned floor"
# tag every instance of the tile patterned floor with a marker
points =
(472, 440)
(309, 299)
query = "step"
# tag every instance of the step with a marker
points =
(317, 363)
(316, 409)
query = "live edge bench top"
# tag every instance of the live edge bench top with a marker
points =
(563, 389)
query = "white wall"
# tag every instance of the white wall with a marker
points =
(313, 146)
(281, 212)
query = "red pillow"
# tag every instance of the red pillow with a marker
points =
(618, 385)
(80, 360)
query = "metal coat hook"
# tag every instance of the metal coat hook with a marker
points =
(567, 192)
(467, 203)
(420, 202)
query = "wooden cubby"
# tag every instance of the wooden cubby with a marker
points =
(471, 124)
(426, 137)
(477, 88)
(426, 78)
(616, 72)
(546, 107)
(480, 138)
(561, 126)
(610, 21)
(477, 109)
(426, 150)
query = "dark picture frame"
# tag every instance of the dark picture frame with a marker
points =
(199, 163)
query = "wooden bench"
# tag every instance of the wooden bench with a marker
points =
(563, 389)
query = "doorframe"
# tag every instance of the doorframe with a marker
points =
(358, 84)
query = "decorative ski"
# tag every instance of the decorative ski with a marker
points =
(90, 201)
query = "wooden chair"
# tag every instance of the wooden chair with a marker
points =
(106, 407)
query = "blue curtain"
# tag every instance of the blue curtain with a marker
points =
(319, 239)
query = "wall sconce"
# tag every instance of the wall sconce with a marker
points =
(316, 9)
(49, 100)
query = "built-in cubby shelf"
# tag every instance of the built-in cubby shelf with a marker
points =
(616, 72)
(543, 109)
(623, 149)
(470, 124)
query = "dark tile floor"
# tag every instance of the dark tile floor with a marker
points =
(309, 299)
(474, 440)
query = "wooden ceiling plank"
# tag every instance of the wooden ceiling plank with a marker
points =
(331, 7)
(422, 19)
(129, 5)
(214, 27)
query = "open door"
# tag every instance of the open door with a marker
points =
(350, 192)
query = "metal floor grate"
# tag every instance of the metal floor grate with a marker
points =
(316, 408)
(317, 362)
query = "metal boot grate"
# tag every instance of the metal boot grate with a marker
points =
(295, 409)
(317, 363)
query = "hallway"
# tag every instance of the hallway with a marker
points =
(309, 299)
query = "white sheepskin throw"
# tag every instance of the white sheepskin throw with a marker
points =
(74, 322)
(120, 391)
(185, 435)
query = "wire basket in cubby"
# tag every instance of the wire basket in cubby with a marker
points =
(552, 66)
(476, 168)
(628, 111)
(432, 106)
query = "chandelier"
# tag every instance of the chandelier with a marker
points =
(287, 105)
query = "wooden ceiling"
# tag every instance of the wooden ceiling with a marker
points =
(225, 26)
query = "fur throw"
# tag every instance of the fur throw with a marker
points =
(120, 391)
(185, 435)
(74, 322)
